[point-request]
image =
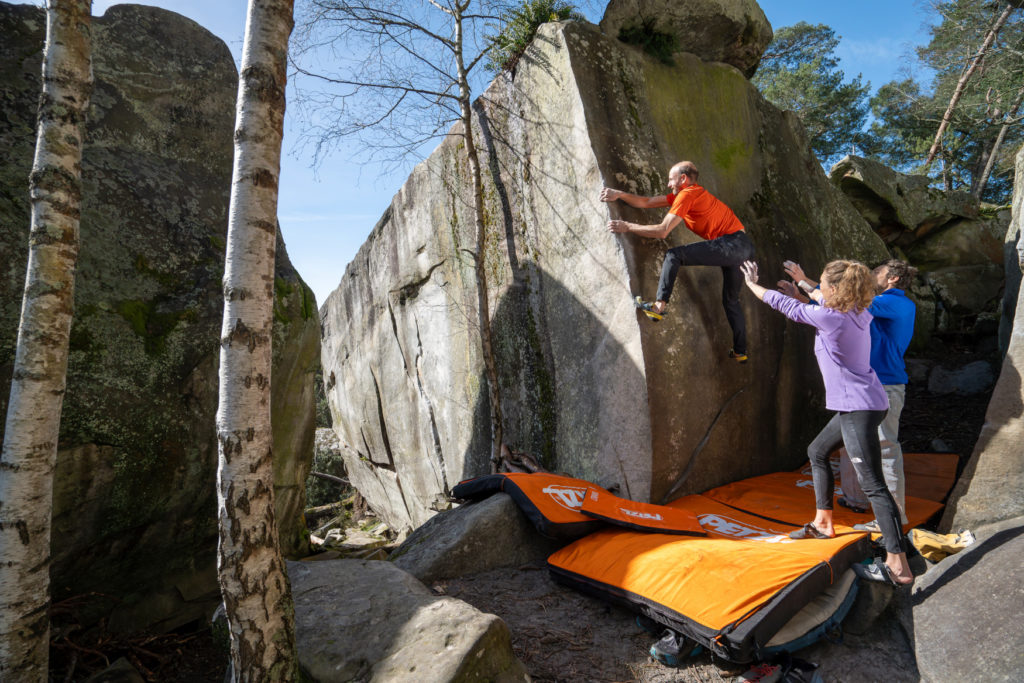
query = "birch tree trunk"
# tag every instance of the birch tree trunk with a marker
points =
(961, 85)
(251, 571)
(483, 307)
(37, 391)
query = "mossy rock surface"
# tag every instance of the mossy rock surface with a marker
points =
(134, 504)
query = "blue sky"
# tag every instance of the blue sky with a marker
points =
(325, 216)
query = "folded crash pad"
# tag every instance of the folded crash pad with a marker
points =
(564, 507)
(730, 590)
(552, 502)
(631, 514)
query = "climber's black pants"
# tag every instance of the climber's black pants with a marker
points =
(728, 251)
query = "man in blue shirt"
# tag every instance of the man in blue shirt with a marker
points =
(891, 331)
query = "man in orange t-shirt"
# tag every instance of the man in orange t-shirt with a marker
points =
(727, 244)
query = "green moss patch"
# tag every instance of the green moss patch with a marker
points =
(151, 325)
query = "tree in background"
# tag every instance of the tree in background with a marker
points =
(401, 75)
(800, 72)
(251, 571)
(970, 117)
(32, 424)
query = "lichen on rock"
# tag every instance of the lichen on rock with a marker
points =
(134, 495)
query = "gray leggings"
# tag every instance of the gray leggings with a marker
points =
(858, 431)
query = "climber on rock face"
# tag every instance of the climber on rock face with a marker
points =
(727, 244)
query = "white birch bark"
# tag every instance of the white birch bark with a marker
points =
(251, 571)
(37, 391)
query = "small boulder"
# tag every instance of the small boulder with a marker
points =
(963, 614)
(972, 378)
(371, 621)
(963, 243)
(967, 290)
(732, 31)
(472, 538)
(918, 369)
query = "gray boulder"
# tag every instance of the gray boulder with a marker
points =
(582, 377)
(966, 290)
(371, 621)
(121, 671)
(134, 520)
(1013, 255)
(732, 31)
(972, 378)
(991, 487)
(900, 208)
(958, 248)
(962, 242)
(962, 617)
(472, 538)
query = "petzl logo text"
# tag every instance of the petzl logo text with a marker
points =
(569, 497)
(726, 526)
(641, 515)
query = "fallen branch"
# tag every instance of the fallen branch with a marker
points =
(331, 477)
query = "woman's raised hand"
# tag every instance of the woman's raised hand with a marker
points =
(749, 269)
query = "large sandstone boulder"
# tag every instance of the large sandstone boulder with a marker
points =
(991, 487)
(962, 616)
(134, 496)
(472, 538)
(900, 208)
(732, 31)
(588, 387)
(370, 621)
(1013, 255)
(957, 246)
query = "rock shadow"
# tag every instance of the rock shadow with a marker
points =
(546, 378)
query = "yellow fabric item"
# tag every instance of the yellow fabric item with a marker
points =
(935, 547)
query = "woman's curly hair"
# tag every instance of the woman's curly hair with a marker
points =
(853, 283)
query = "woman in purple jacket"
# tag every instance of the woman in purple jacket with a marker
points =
(842, 345)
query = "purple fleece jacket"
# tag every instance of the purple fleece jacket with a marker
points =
(842, 344)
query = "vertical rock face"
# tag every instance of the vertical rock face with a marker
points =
(991, 488)
(588, 387)
(1013, 255)
(134, 496)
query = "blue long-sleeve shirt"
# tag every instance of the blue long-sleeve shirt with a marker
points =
(891, 330)
(842, 345)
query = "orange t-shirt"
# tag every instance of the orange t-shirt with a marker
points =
(703, 213)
